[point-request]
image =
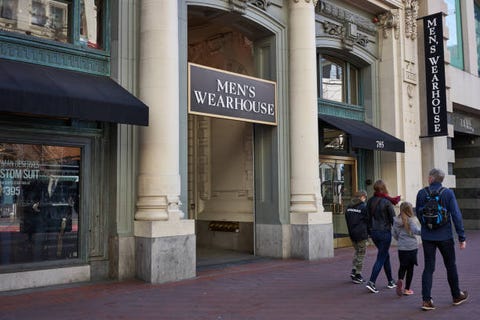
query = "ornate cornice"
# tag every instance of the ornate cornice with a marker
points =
(343, 15)
(349, 27)
(348, 33)
(240, 6)
(55, 58)
(307, 1)
(411, 14)
(388, 21)
(333, 29)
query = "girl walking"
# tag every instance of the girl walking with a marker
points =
(405, 228)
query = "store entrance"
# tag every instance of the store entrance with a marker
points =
(338, 183)
(221, 192)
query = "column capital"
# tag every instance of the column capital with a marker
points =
(389, 22)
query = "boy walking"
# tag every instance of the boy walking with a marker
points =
(357, 224)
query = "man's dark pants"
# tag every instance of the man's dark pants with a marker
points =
(447, 250)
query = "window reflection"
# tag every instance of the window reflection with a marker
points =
(39, 203)
(332, 79)
(477, 33)
(91, 23)
(454, 24)
(337, 178)
(8, 9)
(339, 80)
(334, 139)
(40, 18)
(50, 19)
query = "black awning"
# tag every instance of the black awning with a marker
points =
(35, 89)
(365, 136)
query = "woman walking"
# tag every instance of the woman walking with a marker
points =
(381, 214)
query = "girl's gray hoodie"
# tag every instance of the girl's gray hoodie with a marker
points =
(406, 241)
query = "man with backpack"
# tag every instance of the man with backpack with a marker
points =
(438, 212)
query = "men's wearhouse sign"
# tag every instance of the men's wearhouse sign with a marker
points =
(435, 75)
(223, 94)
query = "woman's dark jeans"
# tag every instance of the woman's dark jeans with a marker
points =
(447, 250)
(382, 240)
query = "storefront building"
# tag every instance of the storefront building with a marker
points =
(263, 118)
(65, 125)
(462, 20)
(257, 188)
(367, 102)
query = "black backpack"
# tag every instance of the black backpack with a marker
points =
(434, 215)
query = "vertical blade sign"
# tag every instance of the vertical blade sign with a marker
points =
(435, 75)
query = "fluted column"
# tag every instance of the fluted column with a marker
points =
(164, 241)
(312, 234)
(159, 178)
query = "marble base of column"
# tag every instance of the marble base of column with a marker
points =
(165, 251)
(312, 229)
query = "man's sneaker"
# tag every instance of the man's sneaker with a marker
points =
(461, 298)
(371, 287)
(399, 287)
(391, 284)
(358, 279)
(428, 305)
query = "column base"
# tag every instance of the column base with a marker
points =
(272, 240)
(312, 235)
(122, 261)
(165, 251)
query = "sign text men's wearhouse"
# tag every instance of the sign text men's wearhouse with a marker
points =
(435, 75)
(224, 94)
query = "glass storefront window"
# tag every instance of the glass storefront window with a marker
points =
(334, 139)
(455, 40)
(332, 79)
(53, 20)
(338, 80)
(39, 203)
(338, 182)
(47, 19)
(91, 23)
(477, 33)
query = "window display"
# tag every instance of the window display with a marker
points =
(39, 202)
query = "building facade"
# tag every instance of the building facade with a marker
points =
(462, 22)
(150, 192)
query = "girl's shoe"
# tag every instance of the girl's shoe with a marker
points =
(399, 287)
(407, 292)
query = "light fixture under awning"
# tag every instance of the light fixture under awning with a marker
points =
(40, 90)
(364, 135)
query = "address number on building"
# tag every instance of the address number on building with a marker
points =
(380, 144)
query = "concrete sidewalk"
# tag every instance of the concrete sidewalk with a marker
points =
(264, 289)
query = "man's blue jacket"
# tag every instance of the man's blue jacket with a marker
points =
(447, 200)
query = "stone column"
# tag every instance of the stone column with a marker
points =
(124, 45)
(388, 116)
(164, 241)
(312, 229)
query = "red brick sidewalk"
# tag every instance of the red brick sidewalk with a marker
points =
(268, 289)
